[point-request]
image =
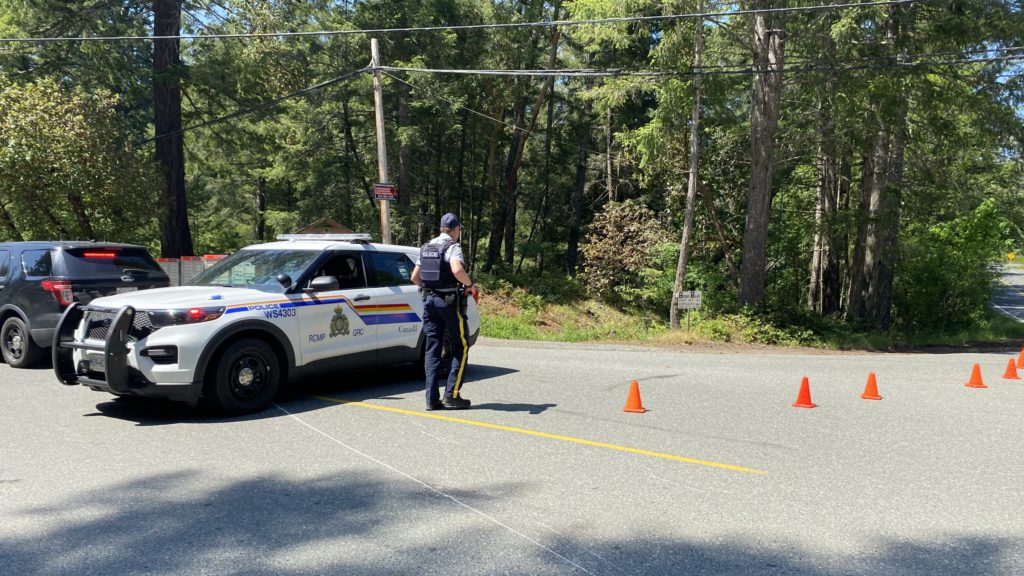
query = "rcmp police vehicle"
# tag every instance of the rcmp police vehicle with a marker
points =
(256, 320)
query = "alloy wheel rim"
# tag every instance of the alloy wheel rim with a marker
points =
(249, 376)
(14, 342)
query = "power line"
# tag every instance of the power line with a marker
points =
(498, 120)
(704, 70)
(497, 26)
(259, 107)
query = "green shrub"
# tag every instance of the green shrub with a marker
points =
(945, 276)
(627, 257)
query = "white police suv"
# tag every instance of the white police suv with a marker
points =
(262, 317)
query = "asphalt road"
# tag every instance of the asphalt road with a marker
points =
(1008, 296)
(349, 476)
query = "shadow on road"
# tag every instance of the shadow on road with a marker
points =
(499, 407)
(377, 384)
(185, 522)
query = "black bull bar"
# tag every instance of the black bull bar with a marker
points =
(114, 349)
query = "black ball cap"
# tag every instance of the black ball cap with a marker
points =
(450, 220)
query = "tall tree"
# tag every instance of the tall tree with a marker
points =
(175, 235)
(823, 294)
(873, 268)
(769, 38)
(692, 180)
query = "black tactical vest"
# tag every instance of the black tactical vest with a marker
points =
(435, 273)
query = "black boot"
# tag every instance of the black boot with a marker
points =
(459, 403)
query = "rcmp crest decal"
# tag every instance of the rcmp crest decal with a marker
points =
(339, 324)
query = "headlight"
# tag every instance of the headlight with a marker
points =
(162, 318)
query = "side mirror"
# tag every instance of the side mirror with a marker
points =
(284, 280)
(323, 284)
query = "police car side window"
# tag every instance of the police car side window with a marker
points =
(37, 263)
(391, 269)
(347, 268)
(5, 263)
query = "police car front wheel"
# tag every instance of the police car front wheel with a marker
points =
(245, 378)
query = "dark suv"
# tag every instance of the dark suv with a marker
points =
(39, 279)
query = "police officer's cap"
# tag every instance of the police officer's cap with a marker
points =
(450, 221)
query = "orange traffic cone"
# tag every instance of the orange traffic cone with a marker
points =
(976, 378)
(1011, 371)
(633, 402)
(1020, 358)
(803, 400)
(871, 390)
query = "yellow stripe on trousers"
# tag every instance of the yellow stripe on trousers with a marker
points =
(465, 351)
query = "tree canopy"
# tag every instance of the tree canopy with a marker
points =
(864, 162)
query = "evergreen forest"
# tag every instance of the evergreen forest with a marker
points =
(856, 163)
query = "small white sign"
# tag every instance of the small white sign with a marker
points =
(689, 300)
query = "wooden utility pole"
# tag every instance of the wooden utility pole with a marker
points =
(382, 149)
(691, 188)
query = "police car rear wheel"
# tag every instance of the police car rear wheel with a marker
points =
(245, 379)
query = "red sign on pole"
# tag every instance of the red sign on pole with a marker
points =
(385, 191)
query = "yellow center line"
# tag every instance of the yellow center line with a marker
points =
(546, 435)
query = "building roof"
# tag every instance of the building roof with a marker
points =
(324, 226)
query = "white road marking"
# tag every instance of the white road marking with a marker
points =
(434, 490)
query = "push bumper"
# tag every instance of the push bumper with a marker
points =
(117, 377)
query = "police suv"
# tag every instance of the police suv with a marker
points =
(266, 315)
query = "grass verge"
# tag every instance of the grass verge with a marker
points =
(510, 312)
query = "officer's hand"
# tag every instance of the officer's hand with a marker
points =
(473, 291)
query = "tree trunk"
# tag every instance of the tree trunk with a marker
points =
(726, 245)
(175, 236)
(764, 122)
(871, 285)
(493, 185)
(691, 184)
(609, 171)
(259, 228)
(512, 183)
(823, 291)
(439, 152)
(7, 224)
(499, 203)
(461, 170)
(539, 215)
(405, 168)
(350, 142)
(572, 251)
(81, 218)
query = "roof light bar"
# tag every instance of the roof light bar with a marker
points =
(340, 237)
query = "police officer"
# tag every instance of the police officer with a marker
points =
(441, 273)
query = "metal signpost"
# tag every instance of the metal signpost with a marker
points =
(689, 300)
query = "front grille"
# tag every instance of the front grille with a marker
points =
(98, 321)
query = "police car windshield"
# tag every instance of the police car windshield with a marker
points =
(257, 269)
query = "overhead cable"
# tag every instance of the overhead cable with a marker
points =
(456, 28)
(704, 71)
(515, 128)
(259, 107)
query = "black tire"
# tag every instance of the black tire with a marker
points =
(244, 378)
(19, 351)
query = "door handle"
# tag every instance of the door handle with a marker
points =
(361, 297)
